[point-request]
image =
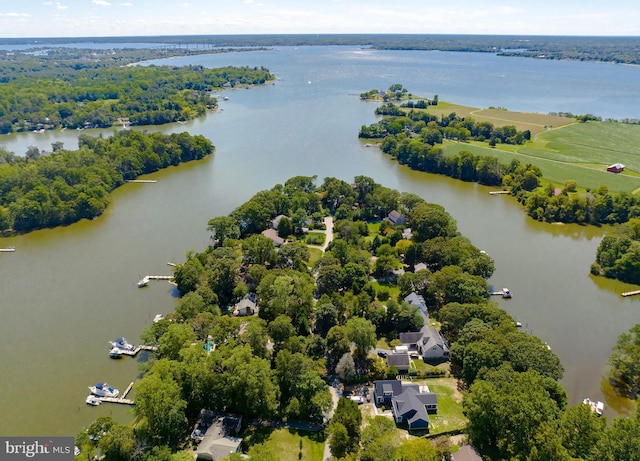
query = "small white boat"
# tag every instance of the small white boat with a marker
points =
(104, 390)
(157, 318)
(115, 353)
(7, 250)
(93, 400)
(596, 407)
(506, 293)
(122, 344)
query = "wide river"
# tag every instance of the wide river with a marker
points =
(66, 292)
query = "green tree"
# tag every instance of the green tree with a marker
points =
(620, 441)
(416, 450)
(363, 334)
(506, 410)
(580, 430)
(160, 408)
(347, 416)
(624, 363)
(223, 228)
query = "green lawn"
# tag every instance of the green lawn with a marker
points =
(449, 416)
(315, 238)
(287, 444)
(561, 159)
(561, 147)
(392, 288)
(316, 253)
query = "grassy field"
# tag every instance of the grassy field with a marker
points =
(562, 148)
(521, 120)
(287, 444)
(449, 416)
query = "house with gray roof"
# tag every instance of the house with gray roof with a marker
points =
(399, 360)
(416, 300)
(428, 342)
(410, 403)
(216, 435)
(272, 234)
(397, 218)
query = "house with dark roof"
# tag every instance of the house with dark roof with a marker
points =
(399, 360)
(397, 218)
(410, 403)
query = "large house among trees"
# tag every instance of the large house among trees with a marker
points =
(410, 403)
(428, 342)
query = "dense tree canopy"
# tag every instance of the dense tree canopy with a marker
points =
(100, 97)
(66, 186)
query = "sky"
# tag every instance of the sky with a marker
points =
(91, 18)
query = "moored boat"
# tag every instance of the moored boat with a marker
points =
(115, 353)
(121, 343)
(104, 390)
(506, 293)
(596, 407)
(93, 400)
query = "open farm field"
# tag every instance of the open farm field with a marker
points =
(580, 151)
(597, 142)
(521, 120)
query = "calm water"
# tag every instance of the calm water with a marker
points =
(65, 292)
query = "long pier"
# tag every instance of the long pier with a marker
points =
(499, 192)
(631, 293)
(122, 399)
(134, 352)
(7, 250)
(141, 181)
(145, 280)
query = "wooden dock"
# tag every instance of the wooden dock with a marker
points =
(499, 192)
(631, 293)
(145, 280)
(122, 400)
(134, 352)
(141, 181)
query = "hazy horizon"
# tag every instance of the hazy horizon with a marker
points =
(135, 18)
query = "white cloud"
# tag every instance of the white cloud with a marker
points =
(47, 3)
(126, 4)
(60, 6)
(15, 15)
(100, 2)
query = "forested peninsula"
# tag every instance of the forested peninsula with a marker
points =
(413, 136)
(99, 97)
(267, 320)
(62, 187)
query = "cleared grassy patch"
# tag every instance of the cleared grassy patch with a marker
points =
(316, 253)
(392, 288)
(521, 120)
(287, 444)
(449, 416)
(315, 238)
(561, 147)
(556, 166)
